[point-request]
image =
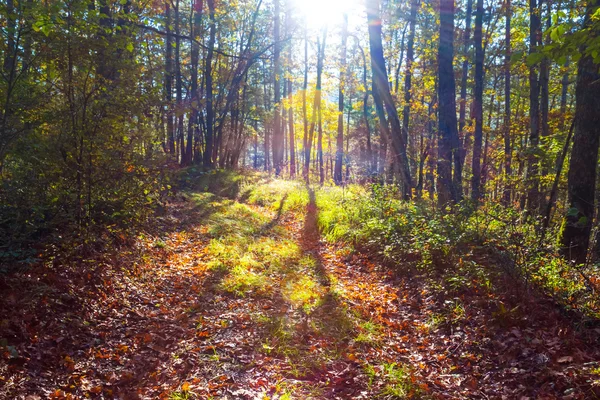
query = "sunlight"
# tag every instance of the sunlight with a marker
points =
(320, 13)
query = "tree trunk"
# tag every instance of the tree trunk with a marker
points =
(316, 106)
(534, 109)
(277, 131)
(179, 82)
(410, 55)
(169, 79)
(464, 77)
(339, 154)
(305, 147)
(575, 235)
(210, 118)
(478, 104)
(194, 58)
(384, 97)
(507, 111)
(292, 139)
(448, 150)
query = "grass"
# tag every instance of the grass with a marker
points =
(395, 381)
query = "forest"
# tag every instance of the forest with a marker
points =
(299, 199)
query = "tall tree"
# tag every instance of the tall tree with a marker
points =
(464, 76)
(383, 97)
(339, 154)
(410, 55)
(478, 103)
(292, 140)
(316, 107)
(447, 189)
(507, 109)
(575, 236)
(208, 67)
(169, 79)
(277, 127)
(534, 110)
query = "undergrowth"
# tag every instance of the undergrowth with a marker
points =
(464, 248)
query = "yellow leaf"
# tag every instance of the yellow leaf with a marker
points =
(185, 387)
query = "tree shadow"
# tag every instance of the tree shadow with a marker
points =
(271, 224)
(310, 239)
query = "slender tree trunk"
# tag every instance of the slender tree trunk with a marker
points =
(194, 58)
(507, 110)
(179, 82)
(478, 103)
(305, 147)
(534, 109)
(410, 55)
(544, 89)
(448, 191)
(292, 138)
(316, 107)
(169, 79)
(399, 66)
(464, 77)
(339, 154)
(277, 131)
(210, 118)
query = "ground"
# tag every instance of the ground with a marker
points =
(232, 293)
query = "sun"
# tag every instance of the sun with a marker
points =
(322, 13)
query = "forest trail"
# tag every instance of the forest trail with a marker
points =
(235, 295)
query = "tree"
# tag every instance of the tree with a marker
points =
(577, 226)
(448, 149)
(478, 103)
(339, 154)
(383, 98)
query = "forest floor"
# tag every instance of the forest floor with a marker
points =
(234, 295)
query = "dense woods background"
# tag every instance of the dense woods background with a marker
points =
(453, 135)
(450, 101)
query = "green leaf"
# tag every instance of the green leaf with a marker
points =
(572, 212)
(130, 47)
(534, 58)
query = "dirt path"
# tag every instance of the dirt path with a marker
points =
(235, 299)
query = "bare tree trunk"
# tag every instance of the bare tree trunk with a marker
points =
(277, 132)
(194, 58)
(339, 154)
(169, 79)
(577, 226)
(464, 77)
(292, 139)
(305, 147)
(210, 118)
(448, 192)
(534, 109)
(478, 104)
(410, 55)
(316, 107)
(384, 97)
(507, 111)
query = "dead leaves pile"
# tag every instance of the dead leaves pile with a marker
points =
(149, 320)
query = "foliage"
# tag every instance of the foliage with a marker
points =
(457, 244)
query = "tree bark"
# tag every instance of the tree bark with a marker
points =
(383, 96)
(534, 112)
(210, 117)
(448, 192)
(410, 55)
(575, 236)
(339, 154)
(277, 131)
(507, 110)
(478, 104)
